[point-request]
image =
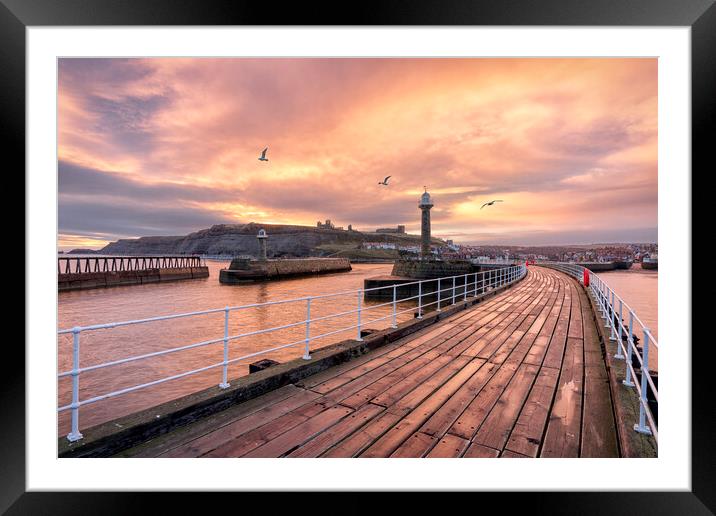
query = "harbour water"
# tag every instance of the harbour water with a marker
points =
(86, 307)
(639, 289)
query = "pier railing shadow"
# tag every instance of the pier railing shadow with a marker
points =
(418, 297)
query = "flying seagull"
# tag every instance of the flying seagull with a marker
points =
(263, 155)
(491, 203)
(384, 181)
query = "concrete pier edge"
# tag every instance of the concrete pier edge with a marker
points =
(111, 437)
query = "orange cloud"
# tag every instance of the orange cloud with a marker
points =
(570, 144)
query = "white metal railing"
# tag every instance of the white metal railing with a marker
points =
(473, 284)
(613, 309)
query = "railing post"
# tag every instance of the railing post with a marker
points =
(439, 289)
(453, 290)
(360, 302)
(475, 285)
(612, 313)
(620, 342)
(630, 345)
(75, 434)
(395, 300)
(420, 299)
(225, 368)
(642, 427)
(306, 352)
(464, 289)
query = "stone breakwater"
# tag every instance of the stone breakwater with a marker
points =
(431, 269)
(241, 270)
(87, 280)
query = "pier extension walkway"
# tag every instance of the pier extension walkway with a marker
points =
(519, 375)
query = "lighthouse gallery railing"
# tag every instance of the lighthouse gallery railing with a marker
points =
(474, 284)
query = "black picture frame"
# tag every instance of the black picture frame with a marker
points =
(17, 15)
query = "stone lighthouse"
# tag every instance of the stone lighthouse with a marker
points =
(425, 204)
(261, 237)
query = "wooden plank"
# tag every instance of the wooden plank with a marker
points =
(259, 436)
(478, 451)
(555, 350)
(439, 423)
(212, 440)
(599, 436)
(498, 424)
(322, 442)
(427, 375)
(507, 454)
(397, 435)
(166, 442)
(360, 440)
(301, 433)
(364, 395)
(449, 446)
(470, 420)
(416, 446)
(526, 436)
(426, 388)
(563, 429)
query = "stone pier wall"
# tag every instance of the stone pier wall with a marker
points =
(275, 269)
(428, 269)
(86, 280)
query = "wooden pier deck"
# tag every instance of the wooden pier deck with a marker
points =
(519, 375)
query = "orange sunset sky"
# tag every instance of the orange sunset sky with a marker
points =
(167, 146)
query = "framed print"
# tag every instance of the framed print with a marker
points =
(427, 235)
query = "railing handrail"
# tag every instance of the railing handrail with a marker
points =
(488, 280)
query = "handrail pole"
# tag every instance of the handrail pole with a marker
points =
(225, 368)
(642, 427)
(630, 344)
(420, 299)
(453, 290)
(395, 299)
(475, 285)
(360, 302)
(612, 336)
(464, 289)
(619, 354)
(439, 295)
(75, 434)
(307, 352)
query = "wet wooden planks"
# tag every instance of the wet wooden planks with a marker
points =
(520, 375)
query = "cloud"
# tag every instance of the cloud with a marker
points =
(567, 142)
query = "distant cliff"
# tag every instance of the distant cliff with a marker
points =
(237, 239)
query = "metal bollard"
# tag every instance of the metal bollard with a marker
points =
(306, 352)
(642, 427)
(75, 434)
(225, 368)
